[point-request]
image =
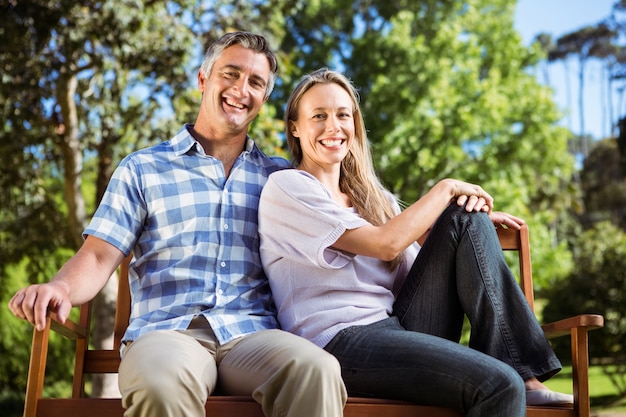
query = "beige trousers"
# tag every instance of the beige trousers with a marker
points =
(171, 373)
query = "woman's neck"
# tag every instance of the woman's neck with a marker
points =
(330, 179)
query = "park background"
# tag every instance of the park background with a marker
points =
(448, 88)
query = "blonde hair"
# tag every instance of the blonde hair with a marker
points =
(357, 178)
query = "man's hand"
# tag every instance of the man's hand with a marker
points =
(33, 303)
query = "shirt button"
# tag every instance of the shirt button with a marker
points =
(220, 291)
(223, 264)
(225, 226)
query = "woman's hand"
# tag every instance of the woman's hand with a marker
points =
(499, 217)
(474, 203)
(472, 196)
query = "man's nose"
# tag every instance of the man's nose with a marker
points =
(241, 86)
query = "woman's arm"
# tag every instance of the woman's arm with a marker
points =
(389, 240)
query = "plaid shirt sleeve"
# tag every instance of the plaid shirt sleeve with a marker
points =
(193, 232)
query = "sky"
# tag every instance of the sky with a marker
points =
(559, 17)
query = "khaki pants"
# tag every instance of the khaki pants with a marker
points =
(171, 373)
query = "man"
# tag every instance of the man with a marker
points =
(202, 311)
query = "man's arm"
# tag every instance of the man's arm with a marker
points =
(77, 282)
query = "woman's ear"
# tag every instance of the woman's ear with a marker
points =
(294, 129)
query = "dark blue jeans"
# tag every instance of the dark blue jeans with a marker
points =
(414, 355)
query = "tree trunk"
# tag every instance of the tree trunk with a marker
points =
(609, 92)
(103, 316)
(581, 107)
(104, 306)
(568, 94)
(72, 155)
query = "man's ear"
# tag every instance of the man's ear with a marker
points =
(201, 81)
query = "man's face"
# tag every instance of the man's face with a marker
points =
(235, 90)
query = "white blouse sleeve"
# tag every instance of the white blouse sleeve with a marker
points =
(299, 219)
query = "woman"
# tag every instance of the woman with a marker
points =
(346, 271)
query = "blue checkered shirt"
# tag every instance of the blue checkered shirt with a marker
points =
(193, 232)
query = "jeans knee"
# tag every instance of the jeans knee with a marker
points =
(509, 384)
(517, 384)
(458, 213)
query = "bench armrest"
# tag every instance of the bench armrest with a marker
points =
(564, 327)
(69, 329)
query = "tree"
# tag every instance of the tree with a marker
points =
(443, 84)
(445, 92)
(79, 87)
(597, 286)
(588, 42)
(616, 60)
(545, 43)
(83, 84)
(603, 181)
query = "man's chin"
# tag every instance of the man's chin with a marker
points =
(240, 122)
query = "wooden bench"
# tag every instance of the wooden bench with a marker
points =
(90, 361)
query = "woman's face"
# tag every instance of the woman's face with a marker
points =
(325, 126)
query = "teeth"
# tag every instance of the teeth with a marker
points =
(234, 104)
(331, 142)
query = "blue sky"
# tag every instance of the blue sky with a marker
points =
(559, 17)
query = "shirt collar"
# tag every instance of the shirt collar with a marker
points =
(183, 142)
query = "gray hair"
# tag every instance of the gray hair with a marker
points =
(248, 40)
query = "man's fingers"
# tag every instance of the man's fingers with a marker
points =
(28, 303)
(63, 311)
(45, 301)
(31, 304)
(15, 305)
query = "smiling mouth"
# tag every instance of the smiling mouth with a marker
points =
(332, 143)
(234, 104)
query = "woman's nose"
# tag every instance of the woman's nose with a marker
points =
(332, 124)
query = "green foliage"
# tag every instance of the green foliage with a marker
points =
(551, 258)
(596, 285)
(444, 88)
(15, 337)
(445, 92)
(601, 390)
(268, 132)
(603, 180)
(80, 81)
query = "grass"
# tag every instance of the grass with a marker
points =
(604, 396)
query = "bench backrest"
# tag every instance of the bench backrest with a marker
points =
(107, 361)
